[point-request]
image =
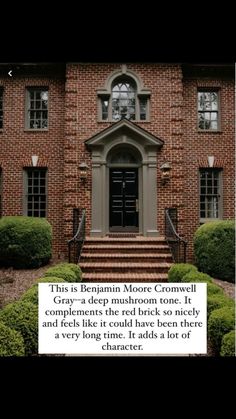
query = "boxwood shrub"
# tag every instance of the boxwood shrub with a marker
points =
(31, 295)
(11, 342)
(215, 301)
(193, 276)
(63, 272)
(25, 242)
(221, 321)
(228, 344)
(75, 268)
(22, 316)
(179, 270)
(214, 249)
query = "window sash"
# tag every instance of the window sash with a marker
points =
(36, 192)
(208, 110)
(210, 194)
(37, 108)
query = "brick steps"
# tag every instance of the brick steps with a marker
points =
(125, 259)
(124, 267)
(125, 277)
(125, 248)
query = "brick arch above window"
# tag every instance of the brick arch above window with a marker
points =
(123, 96)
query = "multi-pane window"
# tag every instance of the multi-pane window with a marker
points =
(208, 110)
(210, 193)
(124, 101)
(1, 108)
(37, 108)
(36, 192)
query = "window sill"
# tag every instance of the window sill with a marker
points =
(209, 220)
(35, 130)
(209, 131)
(113, 122)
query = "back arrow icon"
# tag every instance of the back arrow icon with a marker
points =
(9, 72)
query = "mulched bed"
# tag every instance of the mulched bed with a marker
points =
(14, 282)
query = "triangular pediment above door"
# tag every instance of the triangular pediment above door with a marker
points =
(124, 129)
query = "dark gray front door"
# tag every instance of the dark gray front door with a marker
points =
(124, 200)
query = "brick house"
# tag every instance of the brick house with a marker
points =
(146, 136)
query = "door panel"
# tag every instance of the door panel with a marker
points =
(123, 199)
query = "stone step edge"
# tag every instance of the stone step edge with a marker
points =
(124, 239)
(128, 275)
(126, 255)
(125, 265)
(125, 246)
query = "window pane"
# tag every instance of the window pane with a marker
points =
(36, 196)
(209, 193)
(123, 98)
(38, 105)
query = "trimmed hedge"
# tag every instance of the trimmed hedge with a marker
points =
(23, 317)
(220, 322)
(25, 242)
(62, 272)
(11, 342)
(197, 276)
(31, 295)
(214, 289)
(179, 270)
(228, 344)
(215, 301)
(75, 268)
(214, 249)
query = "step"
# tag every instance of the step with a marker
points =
(125, 248)
(125, 267)
(126, 257)
(120, 240)
(125, 277)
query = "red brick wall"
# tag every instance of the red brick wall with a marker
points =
(73, 118)
(199, 145)
(18, 145)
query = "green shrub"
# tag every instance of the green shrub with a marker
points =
(197, 276)
(214, 249)
(50, 279)
(62, 272)
(31, 295)
(11, 342)
(221, 321)
(214, 289)
(25, 242)
(179, 270)
(215, 301)
(228, 344)
(75, 268)
(23, 317)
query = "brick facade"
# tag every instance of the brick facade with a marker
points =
(73, 118)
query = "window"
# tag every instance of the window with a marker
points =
(124, 99)
(36, 192)
(37, 108)
(1, 108)
(208, 111)
(210, 194)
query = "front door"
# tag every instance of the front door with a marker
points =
(124, 200)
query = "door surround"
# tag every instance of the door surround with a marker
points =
(124, 134)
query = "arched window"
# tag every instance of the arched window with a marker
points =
(123, 98)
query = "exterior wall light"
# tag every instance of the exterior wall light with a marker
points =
(83, 171)
(165, 172)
